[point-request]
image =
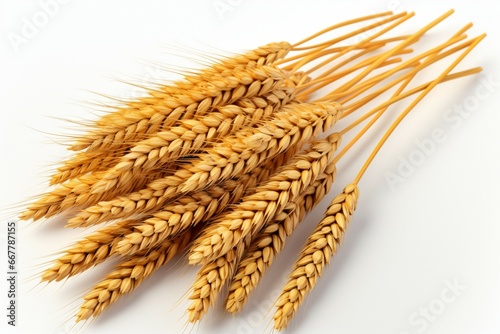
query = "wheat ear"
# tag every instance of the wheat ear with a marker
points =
(255, 108)
(255, 210)
(216, 273)
(83, 163)
(88, 252)
(270, 241)
(323, 242)
(128, 275)
(211, 279)
(190, 136)
(76, 193)
(162, 110)
(198, 207)
(249, 148)
(319, 248)
(148, 105)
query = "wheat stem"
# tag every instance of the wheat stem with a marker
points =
(474, 43)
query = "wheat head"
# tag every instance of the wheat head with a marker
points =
(270, 241)
(255, 210)
(233, 156)
(321, 245)
(76, 193)
(88, 252)
(189, 137)
(161, 110)
(128, 275)
(210, 281)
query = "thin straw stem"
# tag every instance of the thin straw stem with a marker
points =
(397, 95)
(369, 39)
(352, 107)
(322, 81)
(336, 26)
(412, 105)
(404, 95)
(412, 39)
(319, 83)
(324, 52)
(302, 92)
(403, 17)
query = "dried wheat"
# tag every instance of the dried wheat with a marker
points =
(262, 56)
(271, 240)
(88, 252)
(162, 109)
(249, 148)
(76, 193)
(198, 207)
(257, 106)
(319, 248)
(211, 279)
(83, 163)
(128, 275)
(269, 198)
(189, 136)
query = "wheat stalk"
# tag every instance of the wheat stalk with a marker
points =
(255, 210)
(249, 148)
(128, 275)
(216, 125)
(325, 239)
(271, 240)
(204, 152)
(255, 109)
(216, 273)
(319, 248)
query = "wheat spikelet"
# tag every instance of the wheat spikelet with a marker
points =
(128, 275)
(198, 207)
(263, 56)
(271, 240)
(88, 252)
(53, 202)
(319, 248)
(161, 110)
(83, 163)
(76, 193)
(249, 148)
(211, 279)
(269, 198)
(189, 136)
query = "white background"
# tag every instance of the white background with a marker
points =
(405, 244)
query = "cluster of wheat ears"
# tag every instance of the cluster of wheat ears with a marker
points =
(222, 166)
